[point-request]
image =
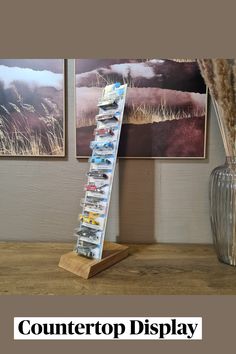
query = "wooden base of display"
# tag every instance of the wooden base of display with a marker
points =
(86, 268)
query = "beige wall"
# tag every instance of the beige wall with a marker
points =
(164, 201)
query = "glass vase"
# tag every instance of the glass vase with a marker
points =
(223, 209)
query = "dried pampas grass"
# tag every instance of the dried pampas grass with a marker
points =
(220, 77)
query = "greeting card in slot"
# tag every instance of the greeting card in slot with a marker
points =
(100, 188)
(92, 220)
(98, 175)
(87, 249)
(95, 207)
(103, 147)
(89, 235)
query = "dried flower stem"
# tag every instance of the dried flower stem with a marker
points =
(220, 77)
(221, 126)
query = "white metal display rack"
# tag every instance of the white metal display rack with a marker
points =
(92, 256)
(109, 118)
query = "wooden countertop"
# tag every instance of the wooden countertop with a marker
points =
(150, 269)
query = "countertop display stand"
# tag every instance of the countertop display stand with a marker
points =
(92, 254)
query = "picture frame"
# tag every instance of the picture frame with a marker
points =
(32, 108)
(137, 140)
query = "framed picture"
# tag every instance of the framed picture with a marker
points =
(165, 112)
(32, 109)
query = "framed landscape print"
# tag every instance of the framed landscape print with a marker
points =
(32, 117)
(165, 113)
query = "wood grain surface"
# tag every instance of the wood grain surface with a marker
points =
(86, 267)
(32, 268)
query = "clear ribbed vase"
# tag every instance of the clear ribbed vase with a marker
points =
(223, 210)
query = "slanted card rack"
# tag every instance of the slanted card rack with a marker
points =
(91, 254)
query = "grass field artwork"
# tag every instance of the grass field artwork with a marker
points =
(165, 113)
(32, 119)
